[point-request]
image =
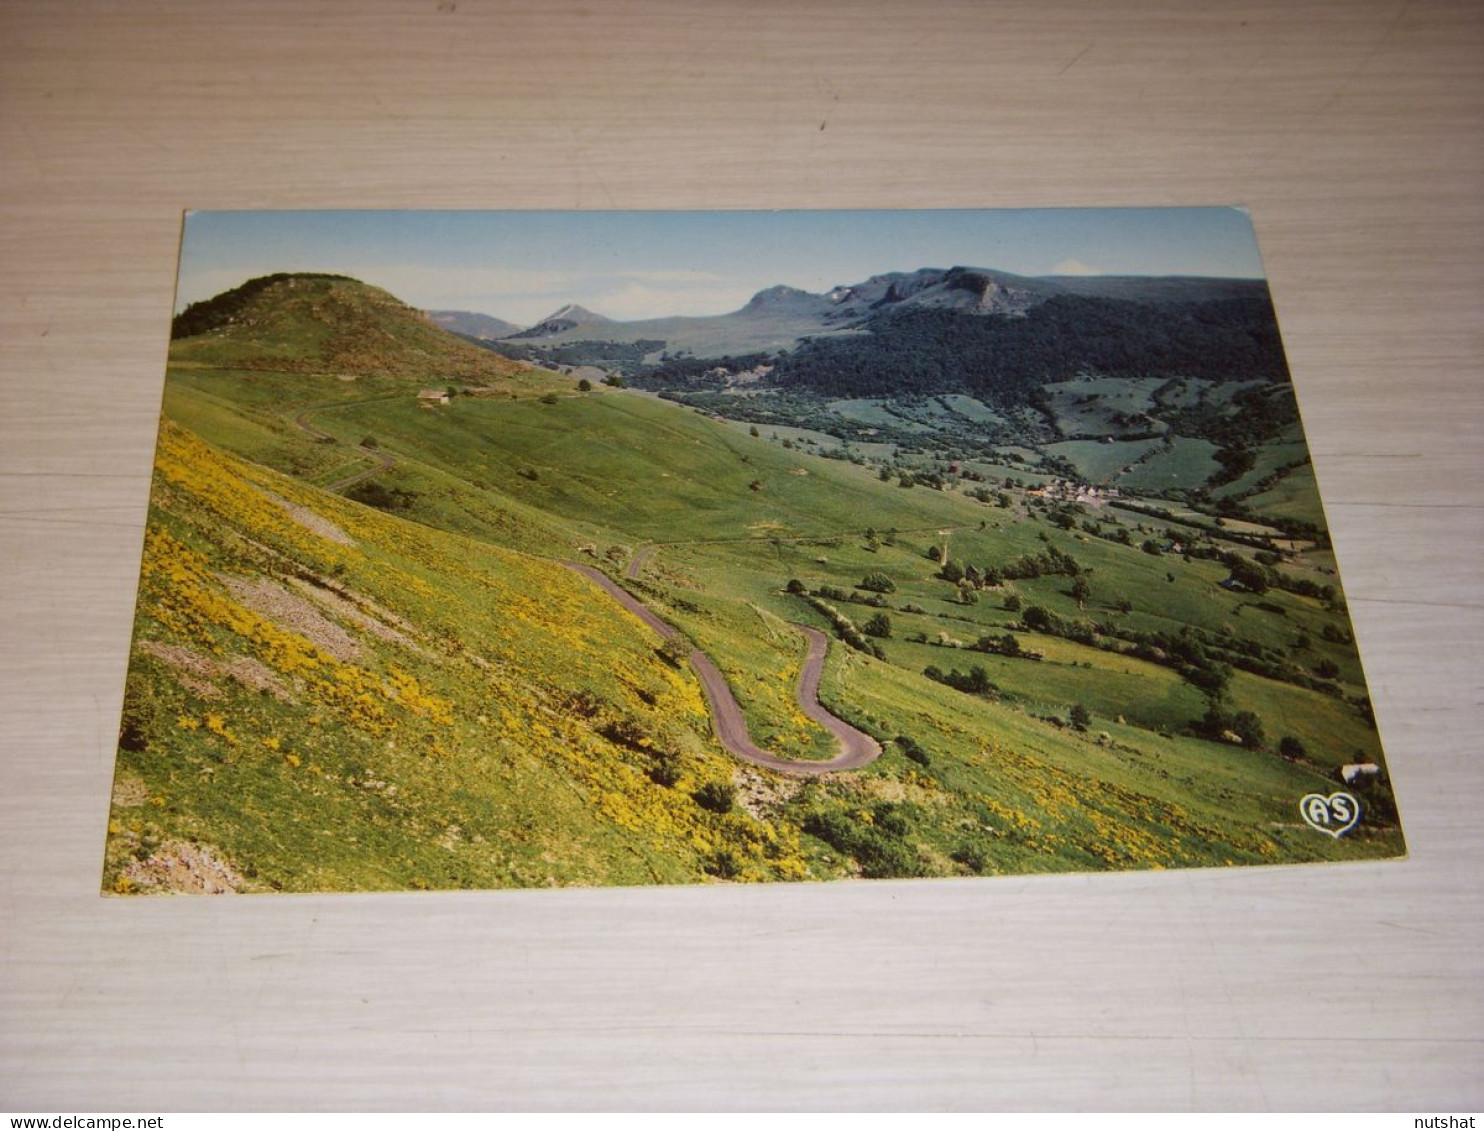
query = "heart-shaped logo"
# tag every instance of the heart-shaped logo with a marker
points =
(1334, 815)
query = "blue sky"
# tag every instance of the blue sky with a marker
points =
(627, 265)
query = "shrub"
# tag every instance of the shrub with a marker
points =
(880, 854)
(675, 651)
(1080, 717)
(878, 582)
(626, 731)
(141, 716)
(584, 386)
(879, 626)
(718, 796)
(382, 498)
(665, 768)
(723, 864)
(972, 857)
(889, 818)
(912, 751)
(797, 587)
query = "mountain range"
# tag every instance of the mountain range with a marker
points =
(779, 317)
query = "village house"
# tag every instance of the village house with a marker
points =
(432, 396)
(1358, 772)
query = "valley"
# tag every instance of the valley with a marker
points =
(389, 632)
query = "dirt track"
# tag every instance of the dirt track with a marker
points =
(640, 557)
(384, 460)
(856, 747)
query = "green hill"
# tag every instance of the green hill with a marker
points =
(306, 323)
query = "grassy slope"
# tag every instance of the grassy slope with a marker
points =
(450, 757)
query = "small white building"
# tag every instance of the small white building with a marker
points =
(432, 396)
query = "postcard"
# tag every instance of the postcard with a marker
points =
(529, 549)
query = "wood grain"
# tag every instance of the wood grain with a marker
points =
(1350, 130)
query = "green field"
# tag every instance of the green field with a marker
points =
(1092, 405)
(1185, 463)
(1098, 461)
(1295, 495)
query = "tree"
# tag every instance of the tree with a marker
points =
(1219, 720)
(797, 587)
(1080, 717)
(613, 380)
(753, 431)
(1037, 618)
(1081, 591)
(1212, 678)
(951, 572)
(879, 626)
(584, 386)
(1249, 727)
(878, 582)
(1291, 747)
(1249, 575)
(1012, 602)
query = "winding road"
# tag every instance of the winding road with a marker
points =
(857, 748)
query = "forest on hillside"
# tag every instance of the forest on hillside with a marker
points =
(1004, 358)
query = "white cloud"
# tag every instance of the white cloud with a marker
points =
(1075, 267)
(632, 300)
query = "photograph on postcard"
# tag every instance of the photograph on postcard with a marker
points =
(529, 549)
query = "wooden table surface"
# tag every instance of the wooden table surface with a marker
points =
(1353, 133)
